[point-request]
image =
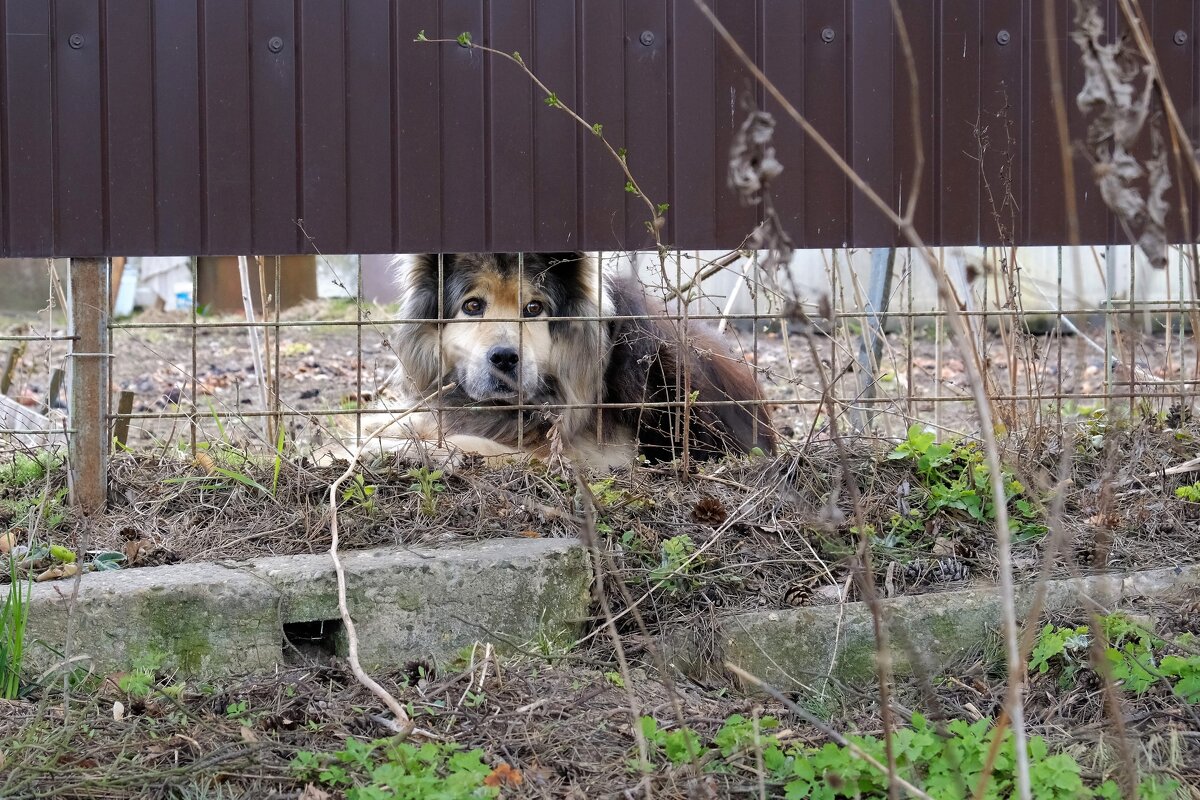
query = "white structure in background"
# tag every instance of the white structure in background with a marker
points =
(162, 278)
(1085, 278)
(1088, 281)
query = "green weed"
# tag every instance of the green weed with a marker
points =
(387, 769)
(945, 764)
(427, 486)
(673, 568)
(14, 615)
(1191, 492)
(955, 480)
(24, 469)
(360, 493)
(1135, 657)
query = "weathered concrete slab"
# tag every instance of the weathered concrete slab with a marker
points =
(428, 604)
(195, 618)
(410, 604)
(796, 649)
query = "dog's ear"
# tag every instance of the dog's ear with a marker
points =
(417, 277)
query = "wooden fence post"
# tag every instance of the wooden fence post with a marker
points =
(90, 441)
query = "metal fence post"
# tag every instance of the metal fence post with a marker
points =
(883, 262)
(89, 444)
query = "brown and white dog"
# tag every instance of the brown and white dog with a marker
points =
(495, 328)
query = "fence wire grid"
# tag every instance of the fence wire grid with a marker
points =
(1060, 335)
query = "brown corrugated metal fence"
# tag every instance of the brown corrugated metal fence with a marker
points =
(143, 127)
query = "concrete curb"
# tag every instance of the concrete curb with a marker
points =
(408, 605)
(427, 604)
(795, 649)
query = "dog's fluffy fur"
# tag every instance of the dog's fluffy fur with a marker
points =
(469, 336)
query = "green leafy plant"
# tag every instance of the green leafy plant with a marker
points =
(50, 503)
(1069, 645)
(679, 746)
(360, 493)
(1135, 658)
(139, 681)
(946, 763)
(428, 485)
(956, 481)
(610, 495)
(673, 568)
(387, 769)
(1191, 492)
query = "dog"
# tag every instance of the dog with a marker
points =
(494, 367)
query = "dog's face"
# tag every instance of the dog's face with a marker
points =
(499, 345)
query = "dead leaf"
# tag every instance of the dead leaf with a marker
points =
(1118, 94)
(206, 461)
(248, 736)
(314, 792)
(58, 572)
(504, 775)
(531, 534)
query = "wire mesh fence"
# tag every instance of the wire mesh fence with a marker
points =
(1059, 334)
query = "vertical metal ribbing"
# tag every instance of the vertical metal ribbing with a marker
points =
(89, 444)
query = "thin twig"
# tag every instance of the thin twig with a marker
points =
(343, 605)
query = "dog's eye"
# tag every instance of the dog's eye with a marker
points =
(533, 308)
(472, 307)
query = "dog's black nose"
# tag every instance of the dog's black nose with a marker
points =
(504, 358)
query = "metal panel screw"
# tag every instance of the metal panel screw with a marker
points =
(647, 38)
(1180, 38)
(1003, 38)
(76, 41)
(827, 35)
(275, 44)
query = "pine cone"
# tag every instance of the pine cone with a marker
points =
(1178, 415)
(939, 570)
(709, 511)
(797, 594)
